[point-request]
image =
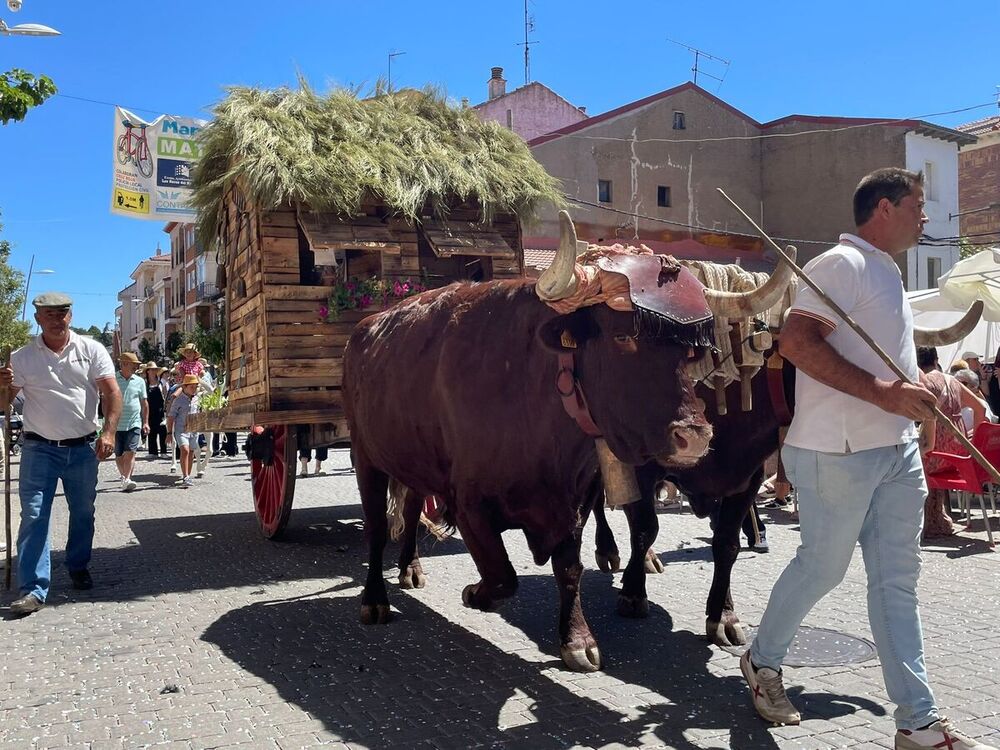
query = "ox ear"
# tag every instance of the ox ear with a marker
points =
(564, 333)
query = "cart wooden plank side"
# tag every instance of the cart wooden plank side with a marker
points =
(284, 361)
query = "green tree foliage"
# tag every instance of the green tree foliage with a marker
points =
(211, 343)
(13, 331)
(20, 91)
(966, 249)
(151, 352)
(104, 335)
(175, 340)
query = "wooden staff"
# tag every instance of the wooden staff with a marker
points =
(5, 400)
(951, 426)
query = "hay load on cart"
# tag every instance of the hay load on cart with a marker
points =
(324, 209)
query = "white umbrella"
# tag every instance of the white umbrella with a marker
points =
(974, 278)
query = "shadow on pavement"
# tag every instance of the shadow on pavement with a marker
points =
(218, 551)
(423, 676)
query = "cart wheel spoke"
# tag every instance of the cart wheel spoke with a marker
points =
(274, 484)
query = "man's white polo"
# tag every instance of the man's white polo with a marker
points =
(60, 390)
(866, 283)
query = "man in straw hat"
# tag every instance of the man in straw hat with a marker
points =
(184, 404)
(134, 422)
(61, 375)
(853, 456)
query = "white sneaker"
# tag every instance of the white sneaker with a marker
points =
(187, 482)
(128, 485)
(940, 734)
(768, 694)
(200, 474)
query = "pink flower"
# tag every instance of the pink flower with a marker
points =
(324, 311)
(406, 287)
(351, 286)
(366, 300)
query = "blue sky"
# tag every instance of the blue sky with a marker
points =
(849, 59)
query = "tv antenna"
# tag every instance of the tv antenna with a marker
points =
(392, 53)
(698, 55)
(529, 26)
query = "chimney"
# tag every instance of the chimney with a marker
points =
(583, 110)
(497, 84)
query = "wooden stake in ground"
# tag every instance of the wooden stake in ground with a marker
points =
(951, 426)
(5, 400)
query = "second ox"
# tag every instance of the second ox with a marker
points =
(459, 392)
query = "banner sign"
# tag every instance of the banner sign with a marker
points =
(152, 166)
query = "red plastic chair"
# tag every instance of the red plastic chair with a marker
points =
(964, 474)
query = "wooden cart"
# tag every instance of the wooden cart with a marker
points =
(280, 261)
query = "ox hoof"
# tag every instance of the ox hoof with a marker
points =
(609, 563)
(412, 579)
(729, 633)
(473, 597)
(653, 564)
(581, 659)
(633, 606)
(374, 614)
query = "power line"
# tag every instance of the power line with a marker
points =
(111, 104)
(661, 220)
(762, 136)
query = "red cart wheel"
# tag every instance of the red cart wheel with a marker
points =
(273, 480)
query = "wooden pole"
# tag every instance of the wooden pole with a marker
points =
(5, 400)
(951, 426)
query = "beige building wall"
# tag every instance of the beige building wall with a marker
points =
(639, 151)
(809, 180)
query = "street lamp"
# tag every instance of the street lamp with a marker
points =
(27, 29)
(27, 284)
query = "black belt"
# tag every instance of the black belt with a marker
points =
(67, 443)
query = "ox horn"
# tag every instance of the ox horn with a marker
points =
(954, 332)
(558, 281)
(747, 304)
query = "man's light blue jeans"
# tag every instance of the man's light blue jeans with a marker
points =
(42, 465)
(875, 497)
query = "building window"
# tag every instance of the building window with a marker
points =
(663, 196)
(679, 122)
(510, 119)
(933, 271)
(930, 194)
(604, 191)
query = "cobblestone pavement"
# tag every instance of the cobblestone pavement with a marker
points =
(201, 634)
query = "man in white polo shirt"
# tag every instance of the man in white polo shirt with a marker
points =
(851, 453)
(61, 375)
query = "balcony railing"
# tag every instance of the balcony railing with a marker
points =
(206, 290)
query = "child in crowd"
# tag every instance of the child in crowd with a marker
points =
(184, 404)
(190, 364)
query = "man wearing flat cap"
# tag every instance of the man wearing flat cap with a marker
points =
(61, 375)
(133, 425)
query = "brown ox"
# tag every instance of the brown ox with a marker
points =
(723, 485)
(452, 394)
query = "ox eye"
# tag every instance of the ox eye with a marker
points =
(626, 343)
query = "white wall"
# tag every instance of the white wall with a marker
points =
(941, 196)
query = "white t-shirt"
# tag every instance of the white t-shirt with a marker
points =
(867, 285)
(60, 390)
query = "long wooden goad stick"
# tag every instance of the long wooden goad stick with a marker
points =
(951, 426)
(5, 400)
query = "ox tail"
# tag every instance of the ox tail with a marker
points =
(395, 509)
(436, 519)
